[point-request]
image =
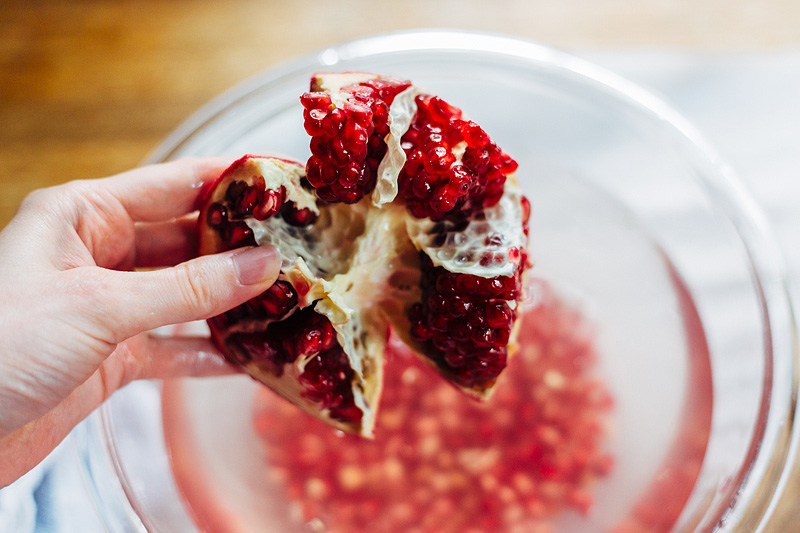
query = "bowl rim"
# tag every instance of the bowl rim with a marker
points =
(776, 438)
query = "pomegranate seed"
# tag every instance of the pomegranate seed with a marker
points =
(498, 315)
(319, 147)
(438, 160)
(443, 341)
(339, 155)
(484, 336)
(474, 135)
(454, 359)
(468, 284)
(318, 337)
(351, 175)
(316, 100)
(442, 202)
(421, 332)
(238, 234)
(501, 337)
(380, 110)
(235, 191)
(333, 122)
(477, 159)
(435, 140)
(414, 162)
(459, 330)
(246, 202)
(421, 185)
(526, 214)
(457, 306)
(297, 217)
(317, 115)
(354, 137)
(279, 299)
(359, 114)
(314, 171)
(507, 165)
(461, 180)
(217, 215)
(438, 323)
(464, 315)
(491, 287)
(270, 204)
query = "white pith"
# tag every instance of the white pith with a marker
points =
(372, 251)
(462, 250)
(401, 115)
(274, 172)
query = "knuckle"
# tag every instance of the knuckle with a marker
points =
(59, 199)
(196, 286)
(39, 199)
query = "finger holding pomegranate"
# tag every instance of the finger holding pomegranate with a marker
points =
(87, 270)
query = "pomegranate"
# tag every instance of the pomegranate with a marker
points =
(363, 254)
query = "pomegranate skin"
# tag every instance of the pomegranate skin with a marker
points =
(279, 337)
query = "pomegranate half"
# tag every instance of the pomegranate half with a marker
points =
(406, 217)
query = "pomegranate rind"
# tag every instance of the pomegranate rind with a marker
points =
(365, 360)
(334, 82)
(506, 215)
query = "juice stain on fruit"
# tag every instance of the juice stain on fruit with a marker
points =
(446, 463)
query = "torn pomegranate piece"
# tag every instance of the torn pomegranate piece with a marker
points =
(307, 336)
(453, 167)
(472, 279)
(347, 116)
(361, 257)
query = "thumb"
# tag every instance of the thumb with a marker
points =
(194, 290)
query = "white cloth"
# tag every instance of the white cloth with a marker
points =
(747, 106)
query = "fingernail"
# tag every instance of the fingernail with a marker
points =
(254, 265)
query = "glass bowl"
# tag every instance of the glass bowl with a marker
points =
(636, 223)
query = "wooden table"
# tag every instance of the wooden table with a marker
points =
(89, 87)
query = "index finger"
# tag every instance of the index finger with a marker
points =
(165, 191)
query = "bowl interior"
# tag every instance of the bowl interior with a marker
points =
(631, 225)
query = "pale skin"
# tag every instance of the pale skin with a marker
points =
(87, 270)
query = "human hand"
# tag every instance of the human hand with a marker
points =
(75, 316)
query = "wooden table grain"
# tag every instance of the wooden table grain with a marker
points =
(89, 87)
